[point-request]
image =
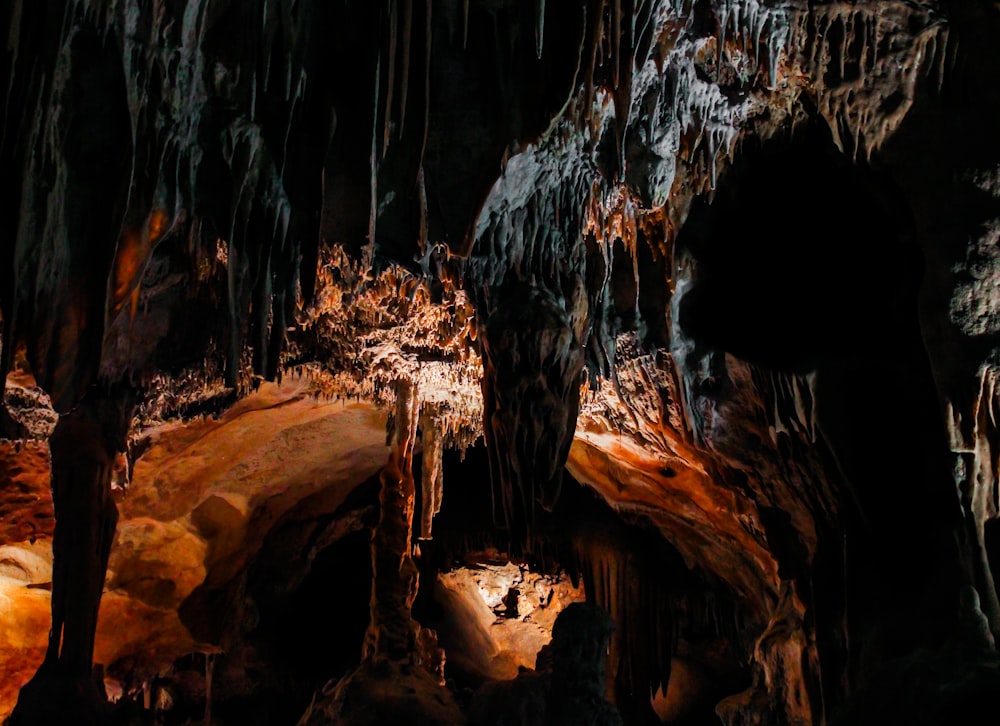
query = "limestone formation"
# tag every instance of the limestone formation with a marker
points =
(693, 302)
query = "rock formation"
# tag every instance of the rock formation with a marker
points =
(716, 283)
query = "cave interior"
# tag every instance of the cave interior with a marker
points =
(499, 362)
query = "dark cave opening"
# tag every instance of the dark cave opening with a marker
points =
(833, 277)
(318, 630)
(301, 635)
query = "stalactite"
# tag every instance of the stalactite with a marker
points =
(892, 48)
(738, 28)
(532, 321)
(616, 42)
(405, 71)
(723, 28)
(391, 71)
(368, 252)
(532, 369)
(539, 27)
(465, 24)
(428, 48)
(649, 611)
(595, 19)
(432, 475)
(792, 403)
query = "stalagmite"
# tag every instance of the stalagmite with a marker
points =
(209, 667)
(401, 672)
(392, 632)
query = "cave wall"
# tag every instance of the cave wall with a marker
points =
(731, 262)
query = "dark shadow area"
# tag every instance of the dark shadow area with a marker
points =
(302, 638)
(991, 535)
(801, 257)
(807, 262)
(319, 629)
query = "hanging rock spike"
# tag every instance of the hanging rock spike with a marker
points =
(539, 27)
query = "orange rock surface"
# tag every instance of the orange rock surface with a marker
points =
(202, 498)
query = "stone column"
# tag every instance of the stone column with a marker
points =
(392, 633)
(83, 448)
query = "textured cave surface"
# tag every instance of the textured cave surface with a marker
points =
(334, 333)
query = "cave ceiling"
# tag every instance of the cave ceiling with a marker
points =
(734, 265)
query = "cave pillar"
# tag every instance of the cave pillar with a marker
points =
(392, 633)
(402, 664)
(83, 450)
